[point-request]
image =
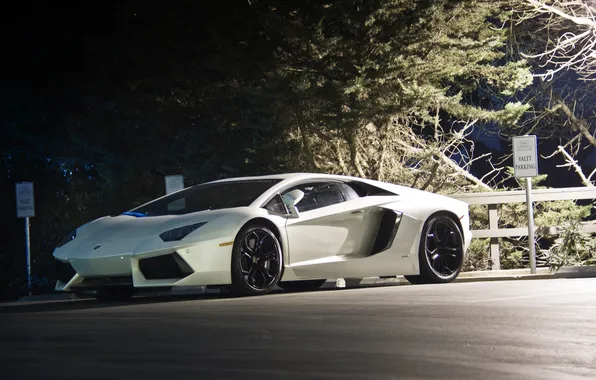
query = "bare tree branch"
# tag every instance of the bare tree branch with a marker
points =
(591, 174)
(576, 123)
(308, 149)
(570, 162)
(574, 48)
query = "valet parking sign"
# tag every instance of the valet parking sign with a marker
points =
(25, 200)
(525, 165)
(525, 156)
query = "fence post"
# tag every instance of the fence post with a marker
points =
(493, 224)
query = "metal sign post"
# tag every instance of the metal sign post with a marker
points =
(28, 251)
(26, 209)
(525, 165)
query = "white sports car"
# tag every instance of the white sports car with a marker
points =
(253, 233)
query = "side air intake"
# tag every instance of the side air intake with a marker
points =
(166, 267)
(387, 231)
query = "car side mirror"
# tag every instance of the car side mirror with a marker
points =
(291, 199)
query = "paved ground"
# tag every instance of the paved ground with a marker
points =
(542, 329)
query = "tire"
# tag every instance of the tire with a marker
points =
(301, 286)
(256, 268)
(441, 251)
(114, 293)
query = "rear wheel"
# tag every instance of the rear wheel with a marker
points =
(114, 293)
(257, 261)
(441, 251)
(301, 286)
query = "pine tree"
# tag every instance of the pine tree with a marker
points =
(359, 83)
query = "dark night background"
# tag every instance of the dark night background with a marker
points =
(105, 84)
(100, 100)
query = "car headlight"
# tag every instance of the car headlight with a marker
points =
(180, 232)
(68, 238)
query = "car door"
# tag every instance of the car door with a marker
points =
(330, 224)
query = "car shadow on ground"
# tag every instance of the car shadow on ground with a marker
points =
(92, 303)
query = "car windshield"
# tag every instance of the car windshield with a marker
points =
(210, 196)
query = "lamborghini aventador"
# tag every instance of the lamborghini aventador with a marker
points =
(251, 234)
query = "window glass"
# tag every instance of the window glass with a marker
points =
(210, 196)
(348, 192)
(276, 205)
(317, 195)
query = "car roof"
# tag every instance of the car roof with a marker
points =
(282, 176)
(284, 179)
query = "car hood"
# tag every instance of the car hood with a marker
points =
(117, 236)
(123, 227)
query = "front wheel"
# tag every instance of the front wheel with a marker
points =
(441, 252)
(257, 261)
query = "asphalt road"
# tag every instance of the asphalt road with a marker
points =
(541, 329)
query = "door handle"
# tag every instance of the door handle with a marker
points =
(357, 212)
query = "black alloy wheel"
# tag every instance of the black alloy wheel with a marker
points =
(441, 251)
(257, 261)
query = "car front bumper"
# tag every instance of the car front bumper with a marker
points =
(203, 263)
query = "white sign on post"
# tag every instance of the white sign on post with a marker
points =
(175, 183)
(525, 165)
(25, 200)
(525, 156)
(26, 209)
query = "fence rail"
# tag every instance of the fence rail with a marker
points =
(493, 199)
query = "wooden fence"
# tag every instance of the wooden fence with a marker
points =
(493, 199)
